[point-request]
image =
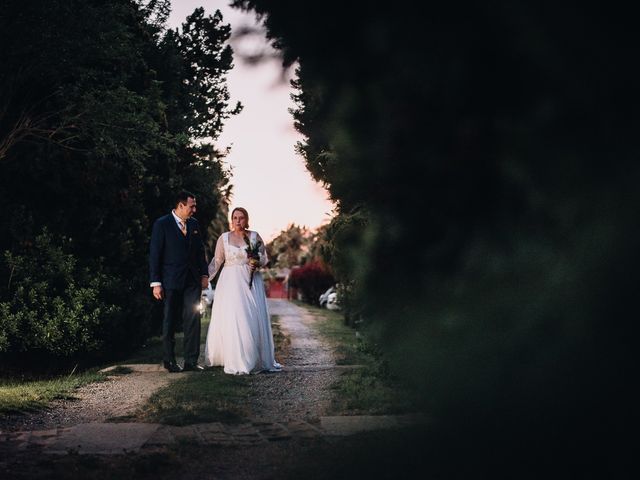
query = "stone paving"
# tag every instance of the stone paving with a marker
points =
(121, 438)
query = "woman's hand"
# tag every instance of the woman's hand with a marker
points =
(253, 264)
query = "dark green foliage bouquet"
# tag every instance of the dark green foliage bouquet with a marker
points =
(253, 253)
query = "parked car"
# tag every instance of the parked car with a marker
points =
(325, 296)
(332, 301)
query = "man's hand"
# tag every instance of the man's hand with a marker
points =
(204, 283)
(158, 292)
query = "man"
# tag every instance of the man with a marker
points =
(179, 273)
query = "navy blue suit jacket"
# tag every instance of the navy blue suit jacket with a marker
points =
(174, 257)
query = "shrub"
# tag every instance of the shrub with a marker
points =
(54, 307)
(312, 279)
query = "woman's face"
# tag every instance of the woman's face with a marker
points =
(238, 220)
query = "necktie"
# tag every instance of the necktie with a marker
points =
(183, 228)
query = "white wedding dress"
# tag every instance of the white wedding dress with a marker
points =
(239, 336)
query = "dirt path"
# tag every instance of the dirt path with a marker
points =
(289, 426)
(301, 391)
(118, 396)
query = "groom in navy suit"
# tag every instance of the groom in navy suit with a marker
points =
(179, 273)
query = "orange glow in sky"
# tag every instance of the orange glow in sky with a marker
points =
(269, 179)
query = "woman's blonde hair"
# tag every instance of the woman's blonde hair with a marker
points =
(244, 211)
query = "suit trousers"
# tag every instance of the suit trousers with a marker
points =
(182, 305)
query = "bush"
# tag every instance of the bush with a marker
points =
(312, 279)
(53, 307)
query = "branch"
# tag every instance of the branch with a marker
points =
(37, 126)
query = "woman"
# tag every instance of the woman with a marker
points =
(239, 335)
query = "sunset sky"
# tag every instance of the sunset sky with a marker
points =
(269, 179)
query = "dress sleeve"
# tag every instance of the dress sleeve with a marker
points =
(218, 258)
(264, 259)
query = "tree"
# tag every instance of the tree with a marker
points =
(504, 132)
(101, 126)
(290, 247)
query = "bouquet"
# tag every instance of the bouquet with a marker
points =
(253, 253)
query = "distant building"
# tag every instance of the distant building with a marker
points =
(276, 283)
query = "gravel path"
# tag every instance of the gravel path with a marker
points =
(118, 396)
(301, 391)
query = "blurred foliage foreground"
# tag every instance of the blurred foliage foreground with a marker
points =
(484, 160)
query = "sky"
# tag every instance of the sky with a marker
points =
(269, 179)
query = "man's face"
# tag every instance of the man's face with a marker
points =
(186, 210)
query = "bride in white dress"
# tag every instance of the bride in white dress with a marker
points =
(239, 335)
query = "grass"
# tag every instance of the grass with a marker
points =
(349, 346)
(214, 396)
(437, 451)
(20, 396)
(210, 396)
(192, 398)
(367, 389)
(199, 397)
(280, 341)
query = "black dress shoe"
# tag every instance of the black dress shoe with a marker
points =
(172, 367)
(190, 367)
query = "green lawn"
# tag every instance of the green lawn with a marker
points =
(17, 396)
(198, 397)
(367, 389)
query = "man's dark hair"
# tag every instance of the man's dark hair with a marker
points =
(183, 197)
